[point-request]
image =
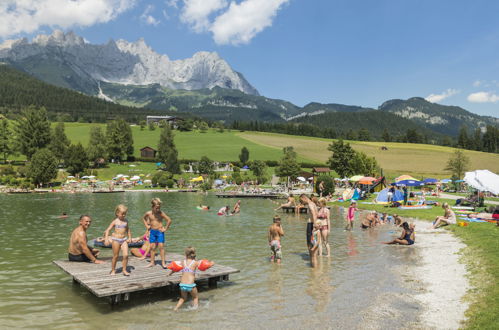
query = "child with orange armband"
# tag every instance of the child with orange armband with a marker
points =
(188, 268)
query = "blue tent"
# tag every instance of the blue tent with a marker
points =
(382, 197)
(410, 183)
(430, 181)
(355, 195)
(245, 167)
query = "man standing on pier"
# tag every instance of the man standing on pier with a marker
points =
(312, 209)
(78, 246)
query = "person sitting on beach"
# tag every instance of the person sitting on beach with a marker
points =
(368, 221)
(153, 220)
(187, 284)
(274, 236)
(449, 217)
(407, 237)
(397, 220)
(224, 211)
(78, 245)
(143, 250)
(237, 208)
(290, 203)
(120, 238)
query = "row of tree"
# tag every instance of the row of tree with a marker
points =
(487, 141)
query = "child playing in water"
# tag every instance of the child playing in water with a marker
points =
(120, 238)
(274, 236)
(351, 215)
(315, 241)
(187, 285)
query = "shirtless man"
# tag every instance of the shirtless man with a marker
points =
(312, 209)
(369, 221)
(78, 248)
(274, 236)
(153, 220)
(290, 203)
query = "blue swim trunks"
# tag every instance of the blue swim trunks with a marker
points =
(187, 287)
(156, 236)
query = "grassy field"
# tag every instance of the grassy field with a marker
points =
(419, 160)
(481, 257)
(191, 145)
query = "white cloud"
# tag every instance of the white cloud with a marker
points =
(483, 97)
(196, 13)
(28, 16)
(243, 21)
(435, 98)
(172, 3)
(477, 83)
(147, 18)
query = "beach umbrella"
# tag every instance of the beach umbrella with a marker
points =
(445, 180)
(245, 167)
(410, 183)
(405, 177)
(356, 178)
(300, 178)
(91, 176)
(147, 181)
(430, 181)
(367, 180)
(135, 178)
(126, 176)
(70, 177)
(218, 182)
(119, 176)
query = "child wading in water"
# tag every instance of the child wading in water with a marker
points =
(351, 215)
(274, 235)
(187, 285)
(120, 238)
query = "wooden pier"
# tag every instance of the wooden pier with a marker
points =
(292, 209)
(117, 288)
(241, 195)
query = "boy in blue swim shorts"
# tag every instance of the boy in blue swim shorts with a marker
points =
(153, 220)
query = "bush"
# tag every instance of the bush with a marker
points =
(328, 184)
(161, 178)
(272, 163)
(170, 183)
(7, 170)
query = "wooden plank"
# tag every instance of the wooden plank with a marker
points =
(96, 277)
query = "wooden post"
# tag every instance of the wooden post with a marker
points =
(212, 282)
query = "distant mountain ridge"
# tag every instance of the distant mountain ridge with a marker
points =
(66, 60)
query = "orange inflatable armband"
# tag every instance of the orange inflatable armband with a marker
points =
(205, 264)
(174, 266)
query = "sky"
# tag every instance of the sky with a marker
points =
(356, 52)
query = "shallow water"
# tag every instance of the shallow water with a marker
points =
(360, 286)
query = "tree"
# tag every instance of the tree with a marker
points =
(244, 155)
(119, 139)
(185, 125)
(328, 184)
(363, 164)
(491, 139)
(76, 160)
(167, 152)
(32, 131)
(96, 150)
(463, 140)
(458, 163)
(288, 166)
(259, 169)
(386, 136)
(364, 135)
(205, 165)
(59, 142)
(351, 135)
(477, 139)
(412, 136)
(203, 127)
(6, 147)
(142, 124)
(42, 166)
(152, 126)
(341, 157)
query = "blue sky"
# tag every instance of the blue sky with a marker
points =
(350, 51)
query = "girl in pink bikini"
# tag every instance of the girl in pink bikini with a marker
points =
(140, 252)
(325, 225)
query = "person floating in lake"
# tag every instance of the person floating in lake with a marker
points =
(78, 245)
(407, 237)
(153, 220)
(204, 207)
(351, 215)
(63, 216)
(449, 217)
(274, 236)
(224, 211)
(187, 284)
(120, 238)
(290, 203)
(237, 208)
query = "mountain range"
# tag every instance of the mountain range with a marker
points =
(132, 74)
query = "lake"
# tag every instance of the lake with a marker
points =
(359, 286)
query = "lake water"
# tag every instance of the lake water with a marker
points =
(360, 286)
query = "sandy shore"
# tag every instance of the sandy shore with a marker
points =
(443, 278)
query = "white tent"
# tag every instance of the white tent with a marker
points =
(483, 180)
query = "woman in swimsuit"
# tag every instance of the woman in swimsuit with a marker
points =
(140, 252)
(323, 218)
(449, 217)
(407, 238)
(120, 238)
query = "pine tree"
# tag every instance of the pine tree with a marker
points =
(244, 155)
(364, 135)
(76, 160)
(457, 164)
(96, 150)
(490, 139)
(386, 136)
(119, 140)
(42, 166)
(59, 142)
(167, 152)
(288, 166)
(477, 139)
(6, 147)
(32, 130)
(463, 140)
